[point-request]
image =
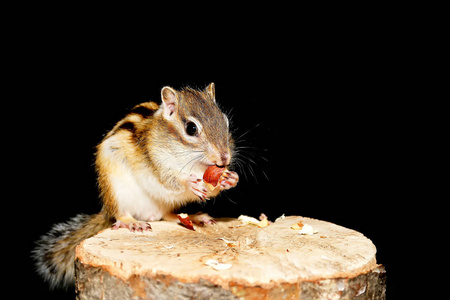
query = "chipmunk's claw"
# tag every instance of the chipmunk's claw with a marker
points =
(228, 180)
(133, 226)
(202, 219)
(196, 186)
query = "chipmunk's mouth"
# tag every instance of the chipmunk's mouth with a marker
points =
(223, 166)
(217, 165)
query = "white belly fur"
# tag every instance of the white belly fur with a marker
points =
(145, 199)
(138, 192)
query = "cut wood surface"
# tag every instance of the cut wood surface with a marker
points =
(230, 261)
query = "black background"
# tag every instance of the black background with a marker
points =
(321, 117)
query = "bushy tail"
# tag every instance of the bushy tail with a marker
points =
(54, 254)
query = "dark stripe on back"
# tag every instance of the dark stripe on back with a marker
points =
(127, 126)
(143, 111)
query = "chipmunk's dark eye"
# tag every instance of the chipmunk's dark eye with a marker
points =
(191, 128)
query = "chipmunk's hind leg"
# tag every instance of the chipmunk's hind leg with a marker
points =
(132, 224)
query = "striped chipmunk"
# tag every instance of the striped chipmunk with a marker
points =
(148, 165)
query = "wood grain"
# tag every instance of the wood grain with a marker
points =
(274, 262)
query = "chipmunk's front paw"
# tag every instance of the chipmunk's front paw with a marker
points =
(196, 186)
(228, 180)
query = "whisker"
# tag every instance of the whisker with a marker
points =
(249, 162)
(247, 132)
(196, 158)
(229, 199)
(241, 165)
(250, 147)
(255, 155)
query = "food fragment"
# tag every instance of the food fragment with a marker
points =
(307, 229)
(212, 175)
(217, 265)
(263, 222)
(297, 226)
(248, 220)
(280, 218)
(228, 242)
(184, 219)
(304, 228)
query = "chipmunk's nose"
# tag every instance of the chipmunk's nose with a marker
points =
(225, 159)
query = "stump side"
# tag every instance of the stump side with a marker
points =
(261, 263)
(97, 283)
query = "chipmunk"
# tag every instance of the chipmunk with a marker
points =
(148, 165)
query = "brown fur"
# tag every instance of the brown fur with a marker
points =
(145, 142)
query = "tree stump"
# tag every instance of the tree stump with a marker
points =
(230, 261)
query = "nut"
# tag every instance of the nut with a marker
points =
(212, 175)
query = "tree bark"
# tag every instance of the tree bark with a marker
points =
(230, 261)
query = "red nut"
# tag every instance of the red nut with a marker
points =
(212, 175)
(186, 221)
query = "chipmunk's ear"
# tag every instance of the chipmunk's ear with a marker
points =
(211, 91)
(169, 101)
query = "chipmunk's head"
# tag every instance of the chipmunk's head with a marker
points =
(197, 123)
